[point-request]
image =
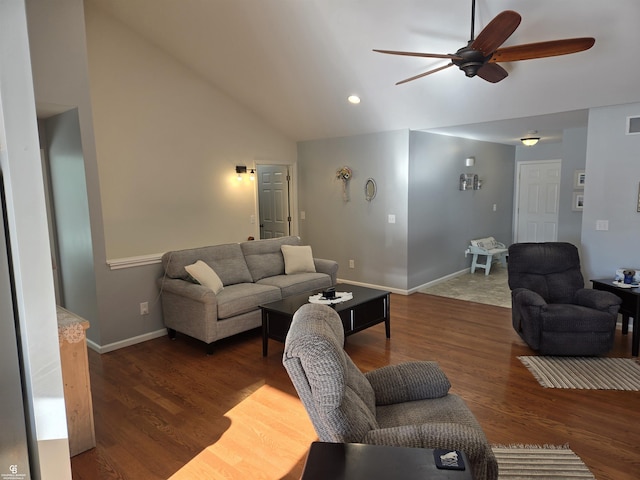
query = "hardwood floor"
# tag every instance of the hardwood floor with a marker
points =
(164, 410)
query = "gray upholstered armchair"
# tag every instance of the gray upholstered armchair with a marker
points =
(551, 310)
(400, 405)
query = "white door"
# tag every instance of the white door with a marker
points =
(538, 201)
(273, 201)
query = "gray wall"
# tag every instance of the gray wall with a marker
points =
(611, 192)
(442, 219)
(71, 210)
(356, 229)
(417, 176)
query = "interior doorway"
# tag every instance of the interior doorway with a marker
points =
(274, 200)
(537, 201)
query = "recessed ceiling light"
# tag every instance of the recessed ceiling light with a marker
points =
(354, 99)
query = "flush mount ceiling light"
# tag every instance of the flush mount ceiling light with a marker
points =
(530, 139)
(354, 99)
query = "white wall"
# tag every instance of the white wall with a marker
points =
(167, 145)
(159, 146)
(611, 192)
(27, 226)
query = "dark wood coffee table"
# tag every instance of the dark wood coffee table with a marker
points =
(356, 461)
(368, 307)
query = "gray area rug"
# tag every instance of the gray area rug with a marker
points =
(491, 289)
(591, 373)
(535, 462)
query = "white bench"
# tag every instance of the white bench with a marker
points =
(489, 247)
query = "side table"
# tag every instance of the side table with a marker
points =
(75, 375)
(357, 461)
(630, 307)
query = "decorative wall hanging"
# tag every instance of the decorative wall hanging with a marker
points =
(370, 189)
(345, 175)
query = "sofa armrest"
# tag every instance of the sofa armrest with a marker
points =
(408, 381)
(330, 267)
(527, 298)
(191, 291)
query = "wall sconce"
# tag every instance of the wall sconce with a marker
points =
(252, 175)
(530, 139)
(240, 169)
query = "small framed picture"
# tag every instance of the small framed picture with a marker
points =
(578, 201)
(578, 179)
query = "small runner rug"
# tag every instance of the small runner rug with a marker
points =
(534, 462)
(592, 373)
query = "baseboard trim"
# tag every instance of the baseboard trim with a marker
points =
(411, 290)
(110, 347)
(440, 280)
(371, 285)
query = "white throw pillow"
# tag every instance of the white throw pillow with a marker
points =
(205, 276)
(297, 259)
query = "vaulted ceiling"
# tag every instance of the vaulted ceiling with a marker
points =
(295, 62)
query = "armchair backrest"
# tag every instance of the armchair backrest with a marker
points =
(338, 398)
(551, 269)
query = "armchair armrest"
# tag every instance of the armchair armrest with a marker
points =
(597, 299)
(407, 382)
(330, 267)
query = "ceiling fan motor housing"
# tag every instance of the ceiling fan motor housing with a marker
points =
(470, 60)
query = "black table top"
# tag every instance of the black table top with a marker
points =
(609, 283)
(361, 295)
(355, 461)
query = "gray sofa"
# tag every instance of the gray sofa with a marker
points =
(252, 273)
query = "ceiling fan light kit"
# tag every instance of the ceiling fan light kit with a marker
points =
(481, 54)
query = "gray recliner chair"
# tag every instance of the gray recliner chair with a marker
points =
(551, 310)
(400, 405)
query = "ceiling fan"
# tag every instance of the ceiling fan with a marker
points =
(481, 55)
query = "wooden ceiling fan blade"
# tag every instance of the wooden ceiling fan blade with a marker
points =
(490, 73)
(418, 54)
(496, 32)
(542, 49)
(424, 74)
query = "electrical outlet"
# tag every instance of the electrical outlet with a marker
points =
(352, 264)
(144, 308)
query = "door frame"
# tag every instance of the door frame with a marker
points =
(516, 192)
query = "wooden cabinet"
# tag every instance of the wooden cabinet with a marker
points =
(75, 375)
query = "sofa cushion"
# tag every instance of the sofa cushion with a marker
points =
(264, 257)
(298, 283)
(226, 260)
(245, 297)
(297, 259)
(204, 275)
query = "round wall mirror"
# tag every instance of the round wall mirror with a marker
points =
(370, 189)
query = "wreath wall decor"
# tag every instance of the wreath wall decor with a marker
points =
(345, 175)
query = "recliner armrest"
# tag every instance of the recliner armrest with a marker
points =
(408, 381)
(527, 298)
(598, 299)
